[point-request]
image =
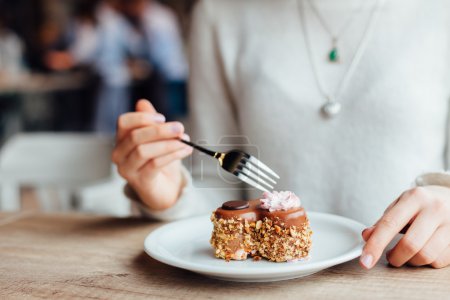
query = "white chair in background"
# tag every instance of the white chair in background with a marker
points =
(105, 197)
(70, 164)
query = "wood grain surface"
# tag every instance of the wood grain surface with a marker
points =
(64, 256)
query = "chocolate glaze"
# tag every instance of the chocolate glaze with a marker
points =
(254, 212)
(235, 205)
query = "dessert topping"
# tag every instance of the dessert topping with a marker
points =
(279, 201)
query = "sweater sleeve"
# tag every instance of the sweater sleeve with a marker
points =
(441, 177)
(212, 118)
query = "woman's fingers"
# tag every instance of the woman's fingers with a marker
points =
(146, 135)
(413, 242)
(143, 105)
(145, 115)
(164, 160)
(443, 260)
(433, 249)
(393, 203)
(423, 214)
(389, 225)
(133, 120)
(146, 152)
(367, 233)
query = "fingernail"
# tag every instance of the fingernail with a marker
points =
(368, 229)
(366, 260)
(186, 137)
(158, 118)
(177, 128)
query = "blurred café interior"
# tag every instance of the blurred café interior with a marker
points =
(68, 69)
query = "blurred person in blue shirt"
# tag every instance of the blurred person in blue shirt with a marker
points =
(157, 60)
(166, 49)
(135, 48)
(165, 43)
(94, 40)
(74, 49)
(140, 55)
(112, 65)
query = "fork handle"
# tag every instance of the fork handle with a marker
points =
(200, 148)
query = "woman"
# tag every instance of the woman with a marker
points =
(346, 100)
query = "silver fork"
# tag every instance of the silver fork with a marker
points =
(244, 166)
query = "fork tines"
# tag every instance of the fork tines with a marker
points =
(254, 172)
(246, 167)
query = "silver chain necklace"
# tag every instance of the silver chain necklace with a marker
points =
(334, 55)
(332, 105)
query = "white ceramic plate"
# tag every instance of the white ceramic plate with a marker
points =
(185, 244)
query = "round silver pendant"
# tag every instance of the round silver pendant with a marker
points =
(331, 109)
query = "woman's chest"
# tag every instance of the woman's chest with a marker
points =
(403, 75)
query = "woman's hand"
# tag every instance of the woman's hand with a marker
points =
(148, 155)
(426, 213)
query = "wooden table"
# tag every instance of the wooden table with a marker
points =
(87, 257)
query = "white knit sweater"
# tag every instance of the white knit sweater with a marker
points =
(251, 76)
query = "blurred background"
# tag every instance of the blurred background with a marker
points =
(68, 69)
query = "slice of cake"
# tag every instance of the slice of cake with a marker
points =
(274, 227)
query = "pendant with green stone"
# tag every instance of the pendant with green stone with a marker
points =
(333, 56)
